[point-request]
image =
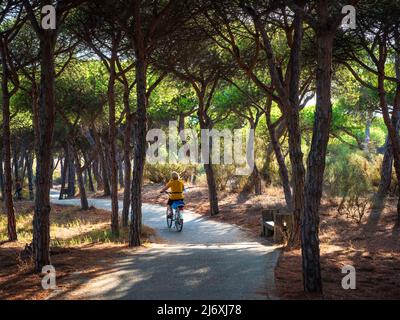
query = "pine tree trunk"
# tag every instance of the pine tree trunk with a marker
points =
(212, 189)
(64, 172)
(256, 180)
(81, 183)
(41, 220)
(316, 164)
(140, 134)
(29, 166)
(15, 160)
(71, 190)
(105, 175)
(120, 170)
(1, 175)
(97, 176)
(8, 199)
(211, 184)
(113, 149)
(293, 124)
(386, 171)
(90, 178)
(283, 171)
(127, 159)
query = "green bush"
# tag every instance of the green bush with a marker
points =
(349, 173)
(161, 173)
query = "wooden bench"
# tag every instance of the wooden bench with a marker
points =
(277, 224)
(268, 222)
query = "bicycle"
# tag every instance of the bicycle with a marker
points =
(175, 214)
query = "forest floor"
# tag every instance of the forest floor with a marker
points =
(372, 246)
(81, 248)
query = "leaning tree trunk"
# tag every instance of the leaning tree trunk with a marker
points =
(283, 171)
(316, 166)
(41, 219)
(8, 200)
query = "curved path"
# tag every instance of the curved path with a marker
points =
(207, 260)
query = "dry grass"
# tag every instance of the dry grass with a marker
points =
(81, 244)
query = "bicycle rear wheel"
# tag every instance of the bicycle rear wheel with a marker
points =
(169, 217)
(178, 221)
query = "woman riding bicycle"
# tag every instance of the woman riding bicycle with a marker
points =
(177, 187)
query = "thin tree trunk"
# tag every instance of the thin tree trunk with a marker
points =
(256, 180)
(15, 160)
(90, 178)
(120, 170)
(113, 148)
(8, 200)
(127, 158)
(81, 183)
(283, 171)
(64, 172)
(97, 175)
(29, 166)
(71, 190)
(1, 175)
(105, 175)
(52, 171)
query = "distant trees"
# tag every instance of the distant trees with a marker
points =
(366, 52)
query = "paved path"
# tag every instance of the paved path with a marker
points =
(207, 260)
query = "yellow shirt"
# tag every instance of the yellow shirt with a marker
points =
(176, 187)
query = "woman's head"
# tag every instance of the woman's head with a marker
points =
(175, 175)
